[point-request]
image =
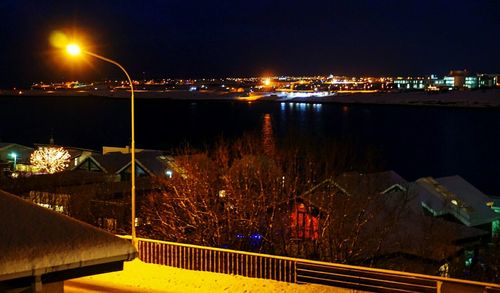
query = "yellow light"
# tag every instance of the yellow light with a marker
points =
(50, 159)
(73, 49)
(267, 82)
(58, 39)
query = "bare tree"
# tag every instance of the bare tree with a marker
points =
(187, 208)
(243, 189)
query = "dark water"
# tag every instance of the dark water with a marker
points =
(413, 141)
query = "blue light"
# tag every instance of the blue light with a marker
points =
(256, 236)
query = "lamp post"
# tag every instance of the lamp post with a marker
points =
(74, 50)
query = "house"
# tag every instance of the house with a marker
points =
(110, 207)
(97, 189)
(15, 155)
(377, 219)
(454, 198)
(41, 248)
(149, 163)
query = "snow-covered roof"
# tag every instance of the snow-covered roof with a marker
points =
(397, 211)
(114, 163)
(372, 183)
(454, 195)
(35, 241)
(23, 152)
(154, 162)
(12, 145)
(415, 233)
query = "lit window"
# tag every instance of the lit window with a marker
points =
(495, 228)
(303, 224)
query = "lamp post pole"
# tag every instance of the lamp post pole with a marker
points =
(132, 147)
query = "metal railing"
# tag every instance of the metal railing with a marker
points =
(217, 260)
(295, 270)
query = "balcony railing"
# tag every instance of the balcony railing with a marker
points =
(294, 270)
(217, 260)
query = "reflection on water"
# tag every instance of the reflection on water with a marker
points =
(267, 135)
(414, 141)
(316, 107)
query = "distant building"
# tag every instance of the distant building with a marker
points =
(413, 83)
(488, 80)
(456, 79)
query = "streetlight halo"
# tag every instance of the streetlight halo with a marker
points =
(73, 49)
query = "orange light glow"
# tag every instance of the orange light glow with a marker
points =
(250, 98)
(73, 49)
(58, 39)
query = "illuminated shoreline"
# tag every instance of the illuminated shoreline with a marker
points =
(471, 98)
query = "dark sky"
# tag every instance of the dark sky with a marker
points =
(250, 38)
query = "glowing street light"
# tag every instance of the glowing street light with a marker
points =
(14, 156)
(74, 50)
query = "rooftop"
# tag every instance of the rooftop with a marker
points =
(37, 241)
(454, 195)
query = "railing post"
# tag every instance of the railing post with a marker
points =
(294, 271)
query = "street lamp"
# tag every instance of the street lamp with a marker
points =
(74, 49)
(14, 156)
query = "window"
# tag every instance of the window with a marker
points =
(139, 172)
(109, 224)
(89, 165)
(495, 228)
(303, 224)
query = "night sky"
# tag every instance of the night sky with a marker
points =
(180, 39)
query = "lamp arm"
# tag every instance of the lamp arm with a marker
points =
(132, 147)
